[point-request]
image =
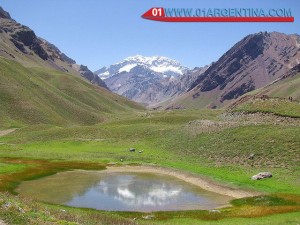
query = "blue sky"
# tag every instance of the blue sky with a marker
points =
(97, 33)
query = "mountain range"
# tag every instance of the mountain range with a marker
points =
(147, 80)
(159, 64)
(254, 62)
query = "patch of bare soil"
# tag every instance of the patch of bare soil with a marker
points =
(5, 132)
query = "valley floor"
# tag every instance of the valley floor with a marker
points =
(209, 143)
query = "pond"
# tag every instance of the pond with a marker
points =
(120, 191)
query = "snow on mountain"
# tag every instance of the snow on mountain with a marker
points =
(165, 66)
(148, 80)
(127, 68)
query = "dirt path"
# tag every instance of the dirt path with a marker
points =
(199, 181)
(5, 132)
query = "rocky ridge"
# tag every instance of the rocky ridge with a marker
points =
(20, 43)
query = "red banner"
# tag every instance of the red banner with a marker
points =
(158, 14)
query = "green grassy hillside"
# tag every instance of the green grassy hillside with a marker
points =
(277, 100)
(39, 95)
(191, 100)
(285, 88)
(281, 107)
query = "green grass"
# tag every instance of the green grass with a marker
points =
(10, 168)
(165, 138)
(278, 102)
(222, 155)
(281, 107)
(280, 219)
(285, 88)
(43, 96)
(263, 201)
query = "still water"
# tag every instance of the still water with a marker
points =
(114, 191)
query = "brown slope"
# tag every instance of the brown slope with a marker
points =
(252, 63)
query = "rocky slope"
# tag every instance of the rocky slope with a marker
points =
(255, 61)
(20, 43)
(4, 14)
(148, 80)
(90, 76)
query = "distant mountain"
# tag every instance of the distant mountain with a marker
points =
(159, 64)
(20, 43)
(148, 80)
(255, 61)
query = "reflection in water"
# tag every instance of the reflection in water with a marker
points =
(140, 192)
(125, 192)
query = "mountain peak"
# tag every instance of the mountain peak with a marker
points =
(255, 61)
(4, 14)
(159, 64)
(151, 59)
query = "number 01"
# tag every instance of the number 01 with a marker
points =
(156, 12)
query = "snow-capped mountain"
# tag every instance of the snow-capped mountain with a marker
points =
(159, 64)
(147, 80)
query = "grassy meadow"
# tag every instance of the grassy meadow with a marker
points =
(172, 139)
(62, 123)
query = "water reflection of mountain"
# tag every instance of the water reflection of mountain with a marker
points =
(139, 192)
